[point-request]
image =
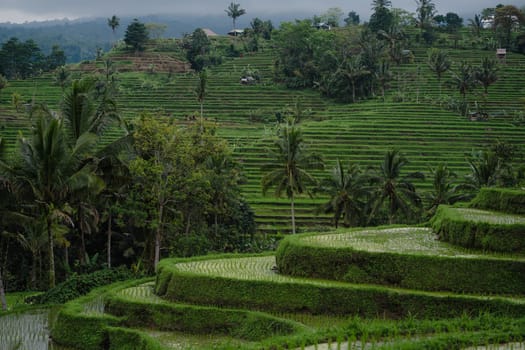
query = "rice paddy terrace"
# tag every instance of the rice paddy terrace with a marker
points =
(377, 288)
(420, 125)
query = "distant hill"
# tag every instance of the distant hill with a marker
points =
(80, 38)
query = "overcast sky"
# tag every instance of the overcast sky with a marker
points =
(18, 11)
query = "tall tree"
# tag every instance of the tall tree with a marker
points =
(443, 191)
(381, 18)
(201, 90)
(485, 169)
(349, 190)
(425, 11)
(160, 169)
(50, 169)
(397, 190)
(235, 11)
(438, 62)
(136, 35)
(476, 25)
(506, 18)
(353, 70)
(114, 23)
(2, 293)
(290, 166)
(487, 73)
(352, 19)
(464, 79)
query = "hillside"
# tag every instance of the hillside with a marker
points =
(424, 130)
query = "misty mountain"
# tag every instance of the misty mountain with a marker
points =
(81, 38)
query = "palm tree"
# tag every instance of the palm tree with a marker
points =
(398, 191)
(395, 37)
(425, 13)
(224, 179)
(348, 190)
(2, 293)
(476, 25)
(484, 170)
(487, 74)
(383, 76)
(353, 70)
(439, 63)
(84, 114)
(464, 80)
(50, 170)
(114, 23)
(443, 189)
(290, 170)
(235, 11)
(201, 90)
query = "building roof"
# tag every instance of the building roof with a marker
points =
(209, 32)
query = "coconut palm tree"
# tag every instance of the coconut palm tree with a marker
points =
(114, 23)
(464, 79)
(476, 25)
(50, 170)
(399, 193)
(291, 163)
(2, 293)
(201, 90)
(349, 190)
(439, 63)
(84, 114)
(235, 11)
(443, 191)
(353, 70)
(487, 74)
(485, 169)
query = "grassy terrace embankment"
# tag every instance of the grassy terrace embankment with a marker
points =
(419, 126)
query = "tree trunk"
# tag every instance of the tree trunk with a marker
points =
(82, 237)
(216, 225)
(293, 214)
(2, 293)
(50, 243)
(353, 92)
(33, 271)
(158, 236)
(188, 225)
(109, 239)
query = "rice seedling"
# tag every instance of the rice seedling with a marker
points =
(27, 331)
(405, 240)
(490, 217)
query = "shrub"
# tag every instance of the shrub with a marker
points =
(320, 297)
(78, 285)
(500, 199)
(454, 227)
(296, 257)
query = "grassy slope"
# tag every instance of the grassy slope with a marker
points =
(360, 132)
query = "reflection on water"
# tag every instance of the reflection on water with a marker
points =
(27, 331)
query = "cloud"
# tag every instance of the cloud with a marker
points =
(51, 9)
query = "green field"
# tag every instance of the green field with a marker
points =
(420, 125)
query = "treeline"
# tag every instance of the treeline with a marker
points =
(21, 60)
(70, 202)
(355, 61)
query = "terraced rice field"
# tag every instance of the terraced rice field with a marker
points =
(406, 240)
(490, 217)
(420, 126)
